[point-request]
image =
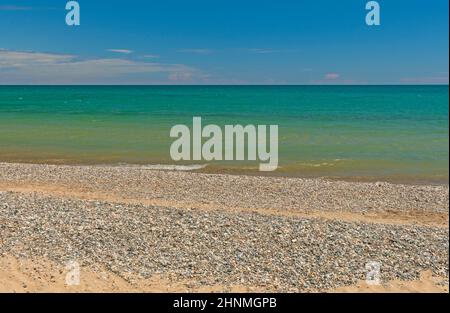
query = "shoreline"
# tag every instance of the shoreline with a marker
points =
(219, 232)
(206, 168)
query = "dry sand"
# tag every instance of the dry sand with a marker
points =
(23, 276)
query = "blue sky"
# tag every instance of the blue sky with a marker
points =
(224, 42)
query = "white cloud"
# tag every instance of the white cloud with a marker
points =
(150, 56)
(180, 76)
(23, 59)
(19, 67)
(123, 51)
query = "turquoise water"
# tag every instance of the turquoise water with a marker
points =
(397, 133)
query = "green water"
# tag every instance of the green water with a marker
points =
(396, 133)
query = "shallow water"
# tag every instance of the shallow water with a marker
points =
(397, 133)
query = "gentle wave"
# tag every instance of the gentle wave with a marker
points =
(321, 164)
(316, 164)
(169, 167)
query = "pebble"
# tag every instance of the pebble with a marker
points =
(298, 254)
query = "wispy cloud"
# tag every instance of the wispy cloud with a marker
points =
(263, 51)
(19, 59)
(19, 67)
(332, 76)
(123, 51)
(151, 56)
(196, 51)
(180, 76)
(14, 8)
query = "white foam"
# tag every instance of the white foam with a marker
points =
(170, 167)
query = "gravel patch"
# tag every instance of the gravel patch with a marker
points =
(216, 247)
(279, 193)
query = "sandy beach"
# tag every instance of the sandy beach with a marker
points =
(134, 229)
